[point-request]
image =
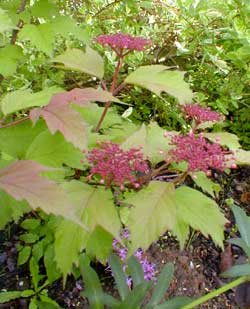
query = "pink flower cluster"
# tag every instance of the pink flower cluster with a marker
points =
(197, 152)
(122, 41)
(149, 268)
(200, 114)
(115, 165)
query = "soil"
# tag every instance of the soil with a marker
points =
(197, 267)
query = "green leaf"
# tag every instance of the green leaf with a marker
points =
(33, 304)
(99, 244)
(49, 261)
(153, 213)
(66, 26)
(89, 62)
(34, 271)
(37, 250)
(136, 297)
(53, 150)
(151, 139)
(93, 288)
(47, 303)
(23, 133)
(41, 36)
(135, 270)
(239, 242)
(11, 209)
(243, 224)
(9, 57)
(109, 300)
(237, 271)
(7, 296)
(30, 224)
(119, 275)
(157, 78)
(206, 184)
(242, 157)
(163, 284)
(94, 207)
(6, 23)
(175, 303)
(22, 99)
(23, 255)
(181, 231)
(201, 213)
(225, 139)
(44, 9)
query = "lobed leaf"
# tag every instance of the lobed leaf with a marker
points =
(89, 62)
(153, 212)
(9, 58)
(158, 79)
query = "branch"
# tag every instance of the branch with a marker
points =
(14, 122)
(20, 22)
(104, 8)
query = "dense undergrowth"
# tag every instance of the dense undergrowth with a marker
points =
(109, 110)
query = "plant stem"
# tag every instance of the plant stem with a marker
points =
(118, 66)
(14, 122)
(216, 293)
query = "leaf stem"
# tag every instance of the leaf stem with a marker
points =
(14, 122)
(118, 66)
(216, 293)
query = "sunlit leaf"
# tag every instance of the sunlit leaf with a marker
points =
(9, 57)
(89, 62)
(225, 139)
(152, 214)
(158, 79)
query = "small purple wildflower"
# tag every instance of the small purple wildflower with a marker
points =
(149, 268)
(118, 42)
(115, 165)
(200, 114)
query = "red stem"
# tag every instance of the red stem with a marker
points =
(119, 63)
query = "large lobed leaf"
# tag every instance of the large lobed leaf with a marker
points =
(158, 79)
(153, 212)
(89, 62)
(6, 24)
(9, 57)
(22, 181)
(201, 213)
(23, 99)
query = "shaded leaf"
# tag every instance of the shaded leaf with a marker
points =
(44, 9)
(22, 181)
(7, 296)
(153, 213)
(201, 213)
(23, 255)
(53, 150)
(136, 271)
(157, 78)
(23, 133)
(237, 271)
(22, 99)
(181, 231)
(49, 261)
(163, 284)
(175, 303)
(243, 224)
(136, 297)
(41, 36)
(59, 116)
(93, 288)
(239, 242)
(89, 62)
(11, 209)
(9, 57)
(99, 244)
(119, 275)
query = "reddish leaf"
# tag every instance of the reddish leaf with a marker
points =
(22, 181)
(60, 117)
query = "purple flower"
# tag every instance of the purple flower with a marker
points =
(198, 153)
(118, 42)
(149, 268)
(115, 165)
(200, 114)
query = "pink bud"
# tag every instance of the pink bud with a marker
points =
(137, 185)
(208, 173)
(102, 181)
(122, 188)
(234, 165)
(165, 134)
(161, 152)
